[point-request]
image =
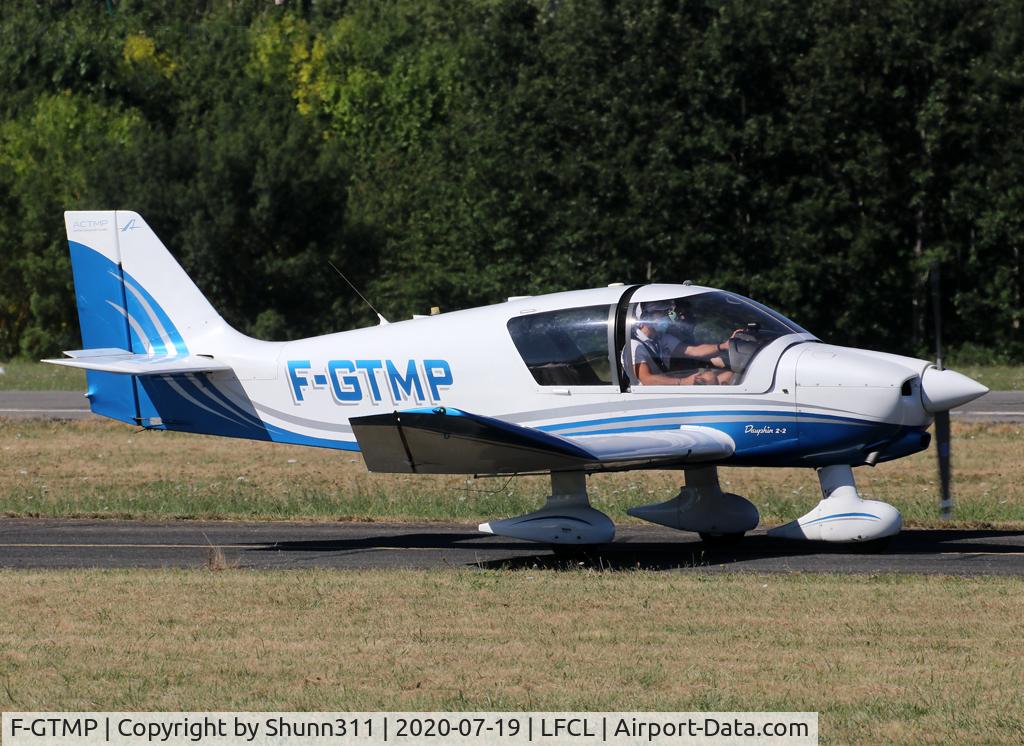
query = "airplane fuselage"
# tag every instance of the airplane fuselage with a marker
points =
(800, 402)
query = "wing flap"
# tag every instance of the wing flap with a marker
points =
(113, 360)
(450, 441)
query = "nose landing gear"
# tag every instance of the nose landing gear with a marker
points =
(843, 515)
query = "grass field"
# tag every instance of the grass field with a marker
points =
(103, 468)
(885, 659)
(28, 375)
(996, 377)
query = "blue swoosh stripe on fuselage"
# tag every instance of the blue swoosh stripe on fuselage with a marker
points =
(184, 416)
(796, 440)
(708, 416)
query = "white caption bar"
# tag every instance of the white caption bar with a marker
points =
(412, 728)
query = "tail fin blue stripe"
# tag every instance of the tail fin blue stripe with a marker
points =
(97, 287)
(135, 320)
(160, 328)
(116, 311)
(98, 291)
(158, 336)
(137, 335)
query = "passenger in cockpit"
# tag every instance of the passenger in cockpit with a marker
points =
(661, 337)
(683, 327)
(651, 347)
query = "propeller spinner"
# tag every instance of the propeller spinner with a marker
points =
(941, 390)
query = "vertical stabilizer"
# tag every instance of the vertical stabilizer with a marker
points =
(132, 295)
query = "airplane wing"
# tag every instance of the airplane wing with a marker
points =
(450, 441)
(115, 360)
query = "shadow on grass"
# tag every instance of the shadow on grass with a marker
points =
(911, 551)
(416, 540)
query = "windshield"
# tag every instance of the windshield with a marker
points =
(702, 339)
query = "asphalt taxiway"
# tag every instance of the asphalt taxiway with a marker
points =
(85, 543)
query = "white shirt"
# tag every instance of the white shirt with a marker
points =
(662, 347)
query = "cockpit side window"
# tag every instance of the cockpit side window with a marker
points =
(701, 339)
(568, 347)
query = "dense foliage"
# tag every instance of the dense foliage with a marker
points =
(817, 155)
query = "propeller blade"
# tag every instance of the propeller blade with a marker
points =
(942, 442)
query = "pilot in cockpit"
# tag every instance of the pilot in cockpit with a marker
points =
(661, 338)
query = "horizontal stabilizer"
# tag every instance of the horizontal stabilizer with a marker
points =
(114, 360)
(450, 441)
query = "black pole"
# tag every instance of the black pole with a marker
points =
(942, 448)
(942, 434)
(937, 310)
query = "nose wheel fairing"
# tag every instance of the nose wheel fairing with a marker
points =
(842, 515)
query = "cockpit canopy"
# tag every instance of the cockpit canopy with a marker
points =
(704, 337)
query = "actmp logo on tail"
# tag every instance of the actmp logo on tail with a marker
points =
(360, 381)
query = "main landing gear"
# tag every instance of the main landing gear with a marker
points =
(721, 518)
(566, 518)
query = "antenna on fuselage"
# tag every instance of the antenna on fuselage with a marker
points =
(356, 291)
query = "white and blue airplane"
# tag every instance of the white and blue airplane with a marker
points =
(650, 376)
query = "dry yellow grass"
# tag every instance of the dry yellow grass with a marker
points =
(884, 659)
(98, 467)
